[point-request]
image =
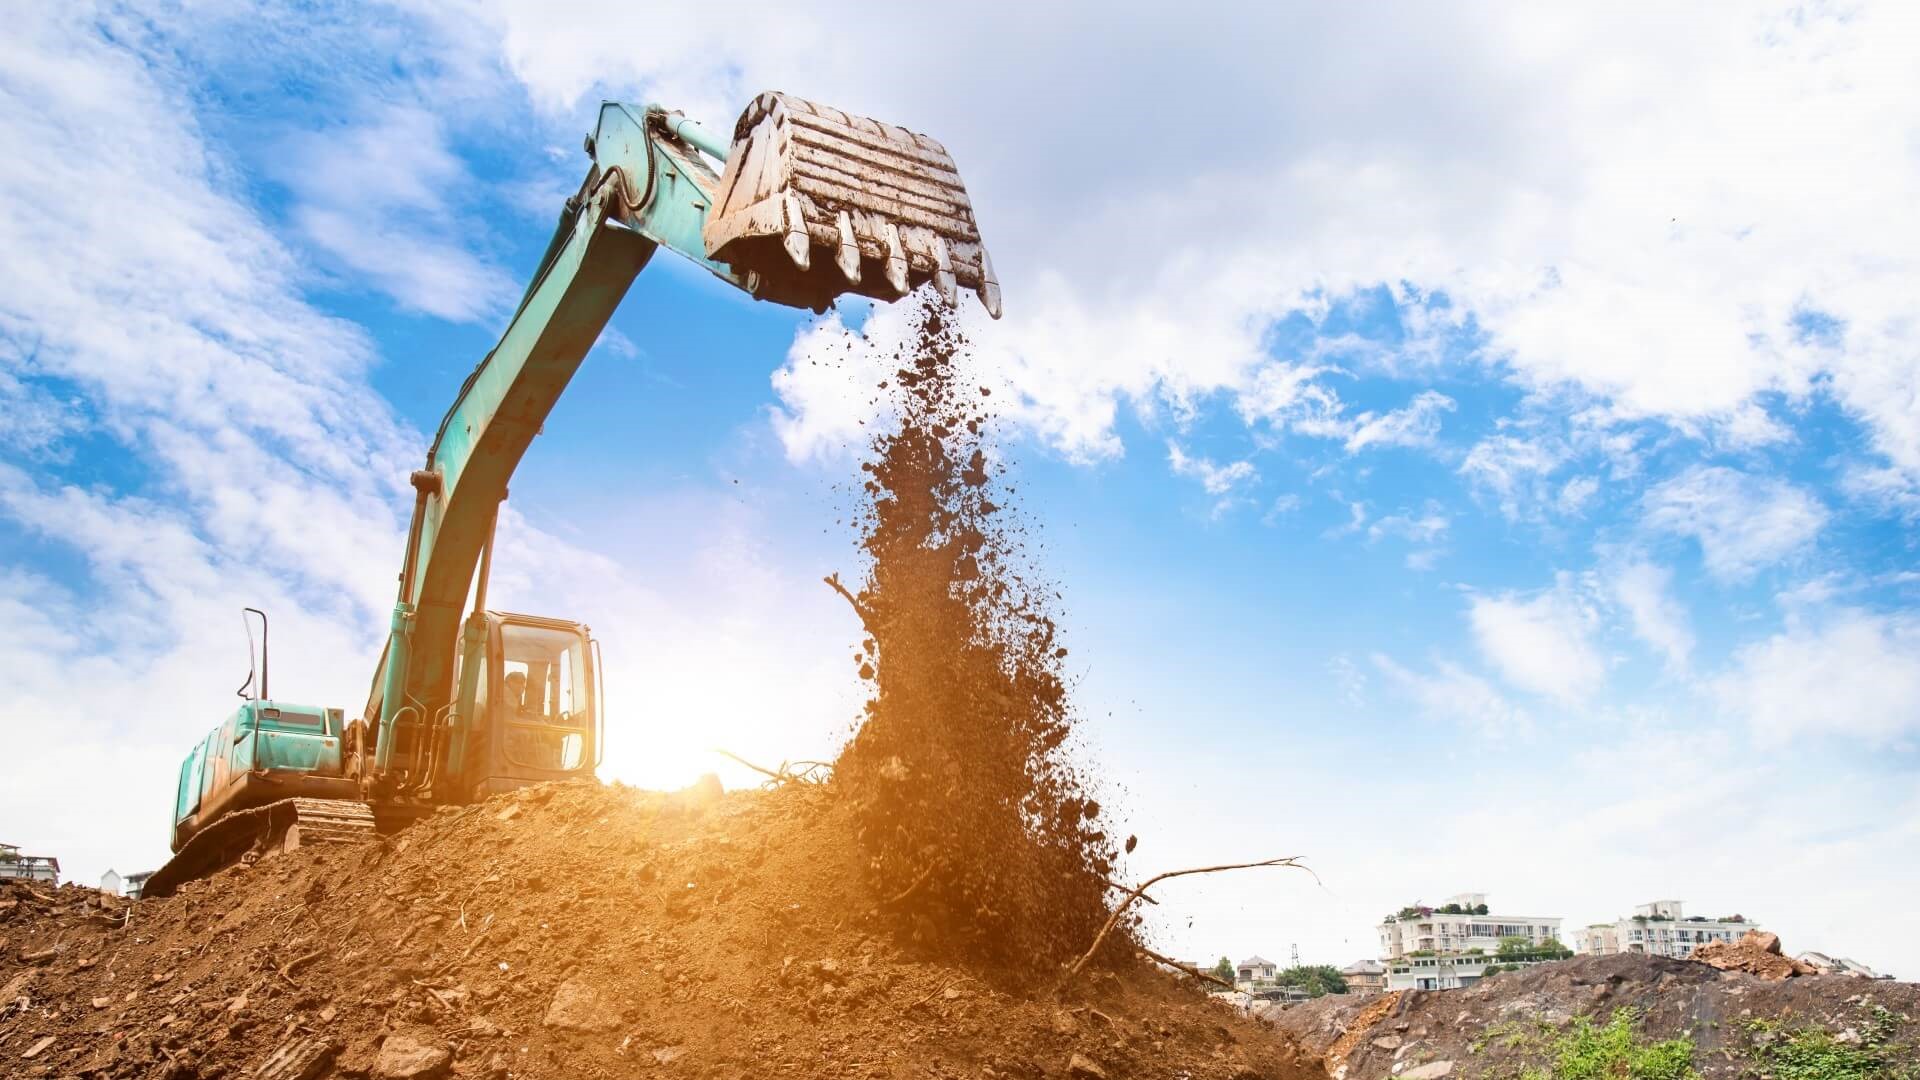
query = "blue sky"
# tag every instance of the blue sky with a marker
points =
(1491, 468)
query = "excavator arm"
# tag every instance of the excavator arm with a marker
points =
(811, 204)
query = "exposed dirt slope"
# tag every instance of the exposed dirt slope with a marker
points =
(570, 931)
(1504, 1024)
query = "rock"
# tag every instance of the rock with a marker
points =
(667, 1055)
(482, 1027)
(300, 1057)
(36, 1049)
(579, 1007)
(1080, 1066)
(403, 1057)
(1762, 940)
(1387, 1042)
(1432, 1070)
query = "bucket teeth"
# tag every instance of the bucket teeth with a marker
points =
(896, 259)
(943, 282)
(848, 258)
(799, 247)
(989, 290)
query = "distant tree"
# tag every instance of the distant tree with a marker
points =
(1514, 946)
(1315, 979)
(1224, 970)
(1451, 909)
(1479, 909)
(1520, 948)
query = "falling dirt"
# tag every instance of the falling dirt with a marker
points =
(978, 826)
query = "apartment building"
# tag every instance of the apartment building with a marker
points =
(1661, 928)
(28, 867)
(1458, 943)
(1459, 925)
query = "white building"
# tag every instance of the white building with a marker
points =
(1662, 928)
(1255, 969)
(1839, 965)
(28, 867)
(1458, 927)
(1365, 977)
(1454, 944)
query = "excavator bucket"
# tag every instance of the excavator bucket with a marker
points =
(816, 202)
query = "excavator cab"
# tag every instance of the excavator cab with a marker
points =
(535, 706)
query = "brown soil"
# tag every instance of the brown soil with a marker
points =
(570, 931)
(1501, 1025)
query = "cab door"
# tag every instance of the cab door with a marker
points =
(542, 721)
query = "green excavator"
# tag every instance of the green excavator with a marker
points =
(805, 204)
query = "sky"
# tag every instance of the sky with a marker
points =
(1477, 445)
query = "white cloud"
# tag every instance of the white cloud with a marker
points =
(1541, 643)
(1511, 468)
(1422, 527)
(1742, 522)
(1454, 694)
(1216, 479)
(1415, 425)
(1644, 590)
(1846, 673)
(1576, 493)
(1282, 506)
(379, 195)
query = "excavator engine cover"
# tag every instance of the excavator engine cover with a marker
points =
(816, 202)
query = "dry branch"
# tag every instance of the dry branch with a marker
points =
(786, 773)
(1140, 890)
(909, 890)
(1185, 969)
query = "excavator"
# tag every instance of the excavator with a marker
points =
(805, 204)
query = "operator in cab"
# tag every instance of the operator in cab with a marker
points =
(517, 692)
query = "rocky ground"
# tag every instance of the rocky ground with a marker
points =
(571, 931)
(1733, 1023)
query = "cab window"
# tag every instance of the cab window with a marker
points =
(543, 699)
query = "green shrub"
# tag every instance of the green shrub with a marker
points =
(1584, 1050)
(1814, 1053)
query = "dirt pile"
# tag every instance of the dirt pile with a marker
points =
(978, 825)
(566, 931)
(1756, 952)
(1728, 1023)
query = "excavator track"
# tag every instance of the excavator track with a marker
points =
(245, 836)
